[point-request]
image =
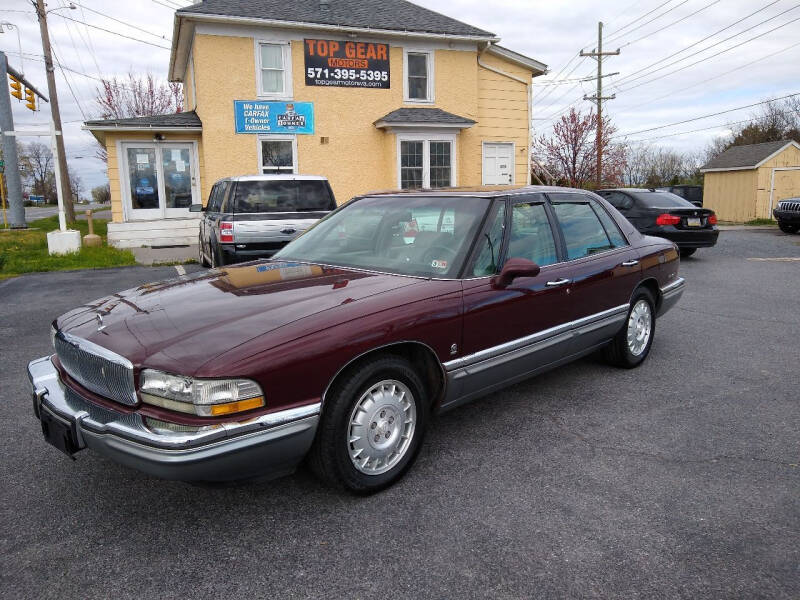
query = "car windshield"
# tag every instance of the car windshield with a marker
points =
(408, 235)
(283, 195)
(662, 200)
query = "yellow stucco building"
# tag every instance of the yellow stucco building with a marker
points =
(371, 94)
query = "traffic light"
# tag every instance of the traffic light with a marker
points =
(30, 99)
(16, 87)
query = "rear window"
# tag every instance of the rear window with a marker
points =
(661, 200)
(283, 196)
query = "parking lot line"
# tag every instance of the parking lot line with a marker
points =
(783, 259)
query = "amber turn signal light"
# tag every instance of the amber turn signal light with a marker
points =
(235, 407)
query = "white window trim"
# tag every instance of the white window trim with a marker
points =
(513, 161)
(124, 174)
(428, 137)
(276, 138)
(288, 92)
(431, 75)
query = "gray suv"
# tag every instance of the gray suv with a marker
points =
(254, 216)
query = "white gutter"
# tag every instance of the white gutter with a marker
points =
(137, 128)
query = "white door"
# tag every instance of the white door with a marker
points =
(160, 180)
(498, 163)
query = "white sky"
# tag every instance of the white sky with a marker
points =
(551, 31)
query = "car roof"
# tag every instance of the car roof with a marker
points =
(494, 191)
(288, 177)
(638, 190)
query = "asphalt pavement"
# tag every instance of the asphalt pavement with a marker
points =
(40, 212)
(679, 479)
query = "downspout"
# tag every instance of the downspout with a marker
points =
(483, 48)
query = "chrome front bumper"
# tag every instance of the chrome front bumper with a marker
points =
(670, 294)
(269, 445)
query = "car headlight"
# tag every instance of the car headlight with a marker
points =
(204, 397)
(53, 332)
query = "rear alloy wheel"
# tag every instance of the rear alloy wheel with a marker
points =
(372, 426)
(632, 344)
(687, 252)
(788, 227)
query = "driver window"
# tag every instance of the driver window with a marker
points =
(531, 236)
(488, 258)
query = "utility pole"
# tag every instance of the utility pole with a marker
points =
(61, 158)
(10, 158)
(598, 98)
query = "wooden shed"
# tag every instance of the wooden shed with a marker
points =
(746, 182)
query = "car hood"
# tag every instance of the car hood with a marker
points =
(180, 324)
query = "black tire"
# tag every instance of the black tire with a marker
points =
(202, 256)
(217, 259)
(329, 457)
(618, 351)
(687, 252)
(788, 227)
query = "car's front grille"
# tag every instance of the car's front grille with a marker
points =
(97, 369)
(793, 205)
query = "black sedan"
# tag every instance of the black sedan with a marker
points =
(666, 215)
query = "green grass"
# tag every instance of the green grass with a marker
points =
(760, 222)
(25, 251)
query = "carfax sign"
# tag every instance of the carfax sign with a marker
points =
(347, 64)
(257, 116)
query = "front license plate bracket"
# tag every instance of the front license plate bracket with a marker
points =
(59, 434)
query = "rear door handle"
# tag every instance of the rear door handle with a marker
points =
(630, 263)
(557, 282)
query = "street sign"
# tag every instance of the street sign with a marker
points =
(36, 199)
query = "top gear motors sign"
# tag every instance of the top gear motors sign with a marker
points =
(347, 64)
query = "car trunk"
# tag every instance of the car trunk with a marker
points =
(691, 219)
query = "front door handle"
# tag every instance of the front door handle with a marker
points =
(557, 282)
(630, 263)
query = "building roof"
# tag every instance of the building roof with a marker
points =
(750, 156)
(423, 117)
(188, 120)
(394, 15)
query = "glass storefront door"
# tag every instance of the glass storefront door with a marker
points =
(161, 180)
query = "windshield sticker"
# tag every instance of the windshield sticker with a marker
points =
(439, 264)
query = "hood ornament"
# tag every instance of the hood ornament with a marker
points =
(99, 318)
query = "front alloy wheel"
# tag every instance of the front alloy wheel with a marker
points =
(372, 425)
(381, 427)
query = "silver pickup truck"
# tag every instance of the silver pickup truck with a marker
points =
(254, 216)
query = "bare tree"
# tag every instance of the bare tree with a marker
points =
(136, 96)
(570, 153)
(76, 187)
(774, 121)
(101, 194)
(38, 166)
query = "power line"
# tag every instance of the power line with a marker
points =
(617, 37)
(665, 27)
(69, 86)
(143, 30)
(682, 50)
(707, 58)
(705, 81)
(112, 32)
(647, 14)
(722, 112)
(728, 125)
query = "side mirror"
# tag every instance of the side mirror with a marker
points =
(514, 267)
(196, 208)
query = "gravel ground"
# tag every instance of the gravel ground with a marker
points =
(679, 479)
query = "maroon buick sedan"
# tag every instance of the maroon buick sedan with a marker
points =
(341, 347)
